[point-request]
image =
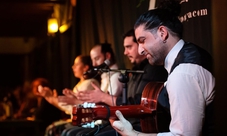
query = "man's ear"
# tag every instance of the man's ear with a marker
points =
(163, 33)
(108, 55)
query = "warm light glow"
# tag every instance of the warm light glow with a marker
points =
(52, 25)
(63, 28)
(73, 2)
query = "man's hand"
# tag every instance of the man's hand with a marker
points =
(93, 96)
(122, 126)
(65, 100)
(69, 98)
(46, 92)
(69, 93)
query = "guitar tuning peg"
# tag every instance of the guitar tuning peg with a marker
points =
(89, 105)
(92, 124)
(92, 105)
(84, 126)
(83, 119)
(88, 125)
(85, 104)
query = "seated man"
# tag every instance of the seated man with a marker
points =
(188, 94)
(109, 80)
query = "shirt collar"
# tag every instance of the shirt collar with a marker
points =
(170, 58)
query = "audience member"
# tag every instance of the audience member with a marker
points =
(46, 113)
(34, 107)
(27, 100)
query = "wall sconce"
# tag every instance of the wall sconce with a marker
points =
(63, 28)
(52, 24)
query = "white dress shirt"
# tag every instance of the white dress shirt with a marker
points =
(190, 88)
(110, 82)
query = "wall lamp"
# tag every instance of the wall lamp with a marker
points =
(52, 24)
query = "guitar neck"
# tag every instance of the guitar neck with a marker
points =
(146, 111)
(130, 111)
(105, 112)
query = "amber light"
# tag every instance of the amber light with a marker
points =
(52, 25)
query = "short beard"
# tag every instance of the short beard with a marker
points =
(159, 56)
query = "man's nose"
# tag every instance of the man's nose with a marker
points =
(141, 50)
(125, 52)
(94, 64)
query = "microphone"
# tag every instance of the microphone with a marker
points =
(96, 70)
(104, 65)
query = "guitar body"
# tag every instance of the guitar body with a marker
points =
(146, 111)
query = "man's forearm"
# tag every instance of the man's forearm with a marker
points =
(109, 100)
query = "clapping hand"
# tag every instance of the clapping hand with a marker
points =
(93, 96)
(46, 92)
(69, 98)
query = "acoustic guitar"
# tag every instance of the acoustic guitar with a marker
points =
(146, 111)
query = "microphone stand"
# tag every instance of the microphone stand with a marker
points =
(124, 78)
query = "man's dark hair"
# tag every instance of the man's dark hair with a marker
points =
(165, 14)
(86, 60)
(130, 33)
(106, 47)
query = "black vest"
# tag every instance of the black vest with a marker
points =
(193, 54)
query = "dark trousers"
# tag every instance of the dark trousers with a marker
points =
(97, 131)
